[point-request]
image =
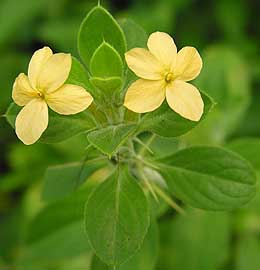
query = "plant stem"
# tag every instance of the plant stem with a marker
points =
(168, 200)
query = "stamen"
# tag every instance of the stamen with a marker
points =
(168, 77)
(40, 94)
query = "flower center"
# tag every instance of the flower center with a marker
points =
(168, 77)
(40, 94)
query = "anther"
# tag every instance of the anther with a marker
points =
(168, 77)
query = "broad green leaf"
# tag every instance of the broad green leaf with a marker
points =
(109, 139)
(210, 178)
(99, 26)
(117, 218)
(107, 85)
(135, 34)
(198, 241)
(144, 259)
(165, 122)
(106, 62)
(60, 127)
(79, 76)
(249, 148)
(60, 181)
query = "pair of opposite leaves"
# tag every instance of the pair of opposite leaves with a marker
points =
(163, 74)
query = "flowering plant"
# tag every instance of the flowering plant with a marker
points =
(127, 100)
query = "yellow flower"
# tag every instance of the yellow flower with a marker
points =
(45, 86)
(164, 74)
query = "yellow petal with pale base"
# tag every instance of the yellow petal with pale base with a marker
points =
(145, 96)
(144, 64)
(54, 72)
(36, 64)
(32, 121)
(162, 46)
(22, 90)
(188, 65)
(69, 99)
(185, 99)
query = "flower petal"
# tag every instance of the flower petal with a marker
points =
(22, 90)
(185, 99)
(32, 121)
(38, 60)
(145, 96)
(54, 72)
(69, 99)
(162, 46)
(188, 65)
(144, 64)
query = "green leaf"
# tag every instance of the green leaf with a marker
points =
(60, 127)
(144, 259)
(79, 76)
(117, 218)
(210, 178)
(198, 241)
(60, 181)
(107, 85)
(135, 34)
(106, 62)
(108, 139)
(99, 26)
(165, 122)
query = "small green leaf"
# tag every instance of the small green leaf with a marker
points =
(60, 127)
(99, 26)
(60, 181)
(117, 218)
(107, 85)
(210, 178)
(108, 139)
(165, 122)
(106, 62)
(144, 259)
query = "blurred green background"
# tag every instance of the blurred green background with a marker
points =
(227, 34)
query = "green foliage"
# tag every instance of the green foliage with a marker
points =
(109, 139)
(144, 259)
(117, 218)
(97, 27)
(209, 178)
